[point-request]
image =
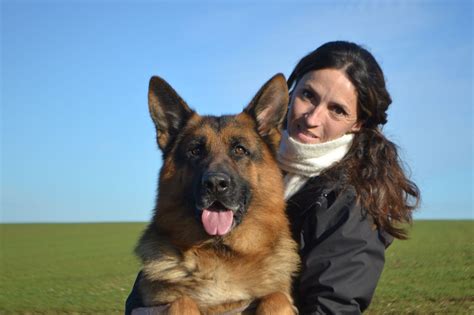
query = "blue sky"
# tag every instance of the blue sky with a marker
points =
(77, 143)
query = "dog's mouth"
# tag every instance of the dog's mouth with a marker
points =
(219, 213)
(217, 219)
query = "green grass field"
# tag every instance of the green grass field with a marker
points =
(90, 268)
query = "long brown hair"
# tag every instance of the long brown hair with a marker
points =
(372, 165)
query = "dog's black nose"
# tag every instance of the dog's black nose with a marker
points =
(216, 182)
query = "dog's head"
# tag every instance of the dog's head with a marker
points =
(216, 169)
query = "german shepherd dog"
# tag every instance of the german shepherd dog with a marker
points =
(219, 238)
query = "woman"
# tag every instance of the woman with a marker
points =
(347, 193)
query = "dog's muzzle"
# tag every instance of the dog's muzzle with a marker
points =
(219, 203)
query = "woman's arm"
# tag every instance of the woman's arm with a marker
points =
(342, 258)
(134, 300)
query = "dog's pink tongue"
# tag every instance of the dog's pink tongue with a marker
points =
(217, 223)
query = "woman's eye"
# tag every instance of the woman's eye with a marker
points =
(307, 94)
(338, 110)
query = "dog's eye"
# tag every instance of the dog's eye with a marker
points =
(195, 152)
(240, 150)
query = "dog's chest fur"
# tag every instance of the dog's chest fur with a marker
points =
(214, 275)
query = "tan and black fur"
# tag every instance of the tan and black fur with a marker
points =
(219, 163)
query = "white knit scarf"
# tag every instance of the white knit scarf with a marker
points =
(302, 161)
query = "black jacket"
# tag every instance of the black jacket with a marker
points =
(342, 252)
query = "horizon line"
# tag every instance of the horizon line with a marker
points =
(145, 222)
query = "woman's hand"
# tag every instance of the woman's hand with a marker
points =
(155, 310)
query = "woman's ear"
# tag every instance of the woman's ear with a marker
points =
(356, 126)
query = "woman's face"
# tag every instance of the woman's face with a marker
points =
(323, 107)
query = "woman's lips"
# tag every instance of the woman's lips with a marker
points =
(306, 136)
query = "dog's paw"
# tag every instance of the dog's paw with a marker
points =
(276, 303)
(184, 306)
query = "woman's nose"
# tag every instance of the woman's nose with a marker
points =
(314, 116)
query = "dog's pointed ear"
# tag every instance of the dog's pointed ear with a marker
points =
(269, 106)
(168, 111)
